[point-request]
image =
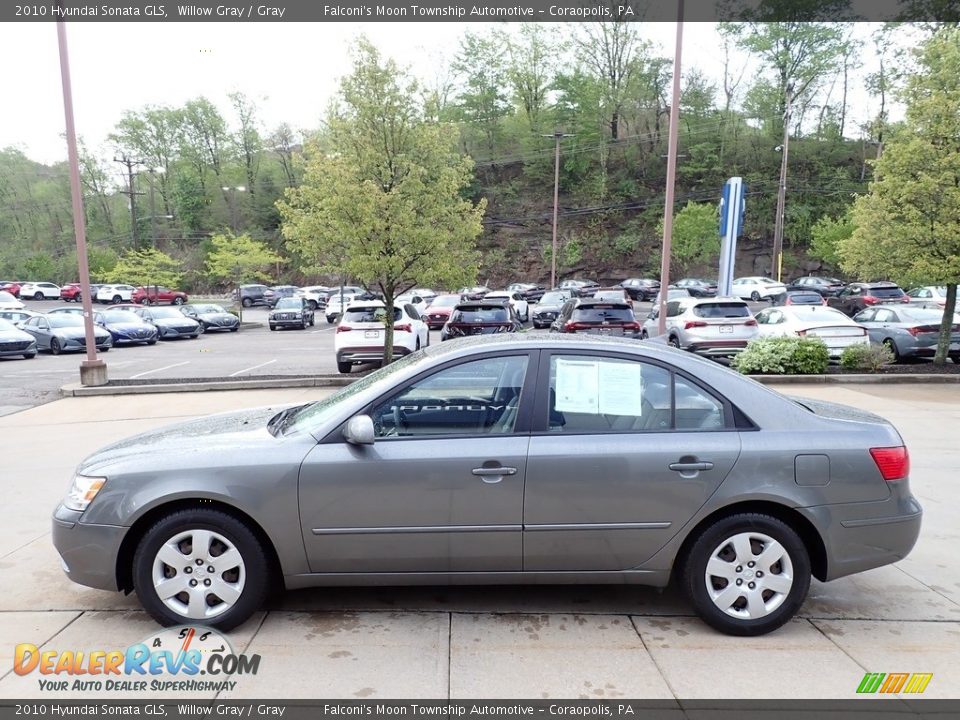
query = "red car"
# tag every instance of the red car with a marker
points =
(10, 286)
(158, 295)
(438, 311)
(70, 291)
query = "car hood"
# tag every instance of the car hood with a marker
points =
(78, 333)
(547, 308)
(211, 440)
(14, 336)
(173, 322)
(218, 317)
(125, 327)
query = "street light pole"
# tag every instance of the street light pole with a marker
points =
(93, 370)
(558, 136)
(776, 265)
(671, 177)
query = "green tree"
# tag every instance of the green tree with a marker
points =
(695, 236)
(482, 103)
(826, 236)
(385, 205)
(530, 69)
(145, 268)
(237, 258)
(908, 225)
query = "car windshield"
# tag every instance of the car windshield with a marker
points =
(290, 303)
(166, 313)
(120, 316)
(64, 320)
(721, 310)
(208, 308)
(602, 313)
(554, 298)
(480, 315)
(445, 301)
(370, 314)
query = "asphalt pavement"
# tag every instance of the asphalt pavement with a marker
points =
(496, 642)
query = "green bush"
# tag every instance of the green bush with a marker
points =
(783, 356)
(870, 357)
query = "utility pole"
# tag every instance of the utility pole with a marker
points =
(130, 162)
(671, 177)
(776, 269)
(558, 136)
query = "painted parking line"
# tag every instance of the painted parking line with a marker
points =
(165, 367)
(238, 372)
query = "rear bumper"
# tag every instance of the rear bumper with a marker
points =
(717, 348)
(368, 354)
(862, 536)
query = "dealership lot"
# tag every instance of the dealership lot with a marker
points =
(601, 642)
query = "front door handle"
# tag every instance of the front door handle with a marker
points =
(690, 466)
(493, 475)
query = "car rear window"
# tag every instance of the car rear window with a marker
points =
(370, 314)
(480, 315)
(600, 313)
(810, 297)
(721, 310)
(886, 292)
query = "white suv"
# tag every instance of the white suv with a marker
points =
(115, 294)
(517, 302)
(39, 291)
(707, 326)
(361, 333)
(334, 308)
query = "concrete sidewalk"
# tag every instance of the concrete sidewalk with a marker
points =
(560, 642)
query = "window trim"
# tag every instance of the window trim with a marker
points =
(539, 426)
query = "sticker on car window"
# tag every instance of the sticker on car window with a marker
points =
(598, 388)
(621, 388)
(577, 387)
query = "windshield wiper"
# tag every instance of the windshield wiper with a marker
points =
(279, 422)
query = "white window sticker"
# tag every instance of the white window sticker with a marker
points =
(577, 386)
(621, 389)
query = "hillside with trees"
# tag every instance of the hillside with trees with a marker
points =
(199, 173)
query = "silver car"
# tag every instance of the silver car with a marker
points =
(719, 327)
(907, 331)
(507, 459)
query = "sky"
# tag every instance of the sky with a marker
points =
(290, 69)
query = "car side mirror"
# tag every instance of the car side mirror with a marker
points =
(359, 430)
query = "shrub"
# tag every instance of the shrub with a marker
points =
(783, 356)
(870, 357)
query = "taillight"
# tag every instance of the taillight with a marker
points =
(892, 462)
(343, 328)
(750, 323)
(905, 298)
(689, 324)
(574, 326)
(870, 299)
(802, 333)
(913, 331)
(631, 326)
(406, 327)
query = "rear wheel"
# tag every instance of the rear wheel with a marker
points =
(145, 301)
(892, 347)
(246, 302)
(674, 341)
(755, 296)
(344, 367)
(747, 574)
(643, 335)
(200, 565)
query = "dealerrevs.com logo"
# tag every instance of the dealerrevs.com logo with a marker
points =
(181, 659)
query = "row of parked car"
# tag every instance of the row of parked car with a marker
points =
(24, 333)
(107, 294)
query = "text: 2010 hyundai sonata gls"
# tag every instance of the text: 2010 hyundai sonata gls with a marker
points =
(512, 459)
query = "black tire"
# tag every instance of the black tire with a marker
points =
(116, 300)
(674, 342)
(145, 301)
(55, 348)
(256, 573)
(273, 327)
(178, 301)
(234, 329)
(892, 347)
(303, 325)
(103, 350)
(695, 582)
(344, 367)
(29, 356)
(246, 302)
(312, 304)
(755, 296)
(203, 329)
(38, 296)
(331, 319)
(644, 335)
(152, 342)
(313, 320)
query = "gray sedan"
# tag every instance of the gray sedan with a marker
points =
(211, 317)
(64, 332)
(502, 459)
(15, 342)
(908, 332)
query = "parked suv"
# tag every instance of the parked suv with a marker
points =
(158, 295)
(115, 294)
(859, 296)
(716, 326)
(291, 312)
(249, 295)
(597, 317)
(361, 334)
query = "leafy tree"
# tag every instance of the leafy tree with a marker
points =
(39, 267)
(482, 102)
(530, 69)
(146, 267)
(908, 226)
(695, 236)
(237, 258)
(827, 235)
(385, 206)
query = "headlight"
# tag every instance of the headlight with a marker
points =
(82, 492)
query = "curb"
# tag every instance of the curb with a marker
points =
(78, 390)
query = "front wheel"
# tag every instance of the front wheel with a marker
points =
(116, 300)
(178, 301)
(200, 565)
(747, 574)
(29, 356)
(344, 367)
(55, 348)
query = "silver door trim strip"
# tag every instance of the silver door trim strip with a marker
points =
(421, 529)
(600, 526)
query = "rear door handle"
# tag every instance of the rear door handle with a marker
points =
(690, 466)
(493, 475)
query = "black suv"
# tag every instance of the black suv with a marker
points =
(858, 296)
(597, 317)
(249, 295)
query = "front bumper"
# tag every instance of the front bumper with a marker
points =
(866, 535)
(289, 323)
(88, 553)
